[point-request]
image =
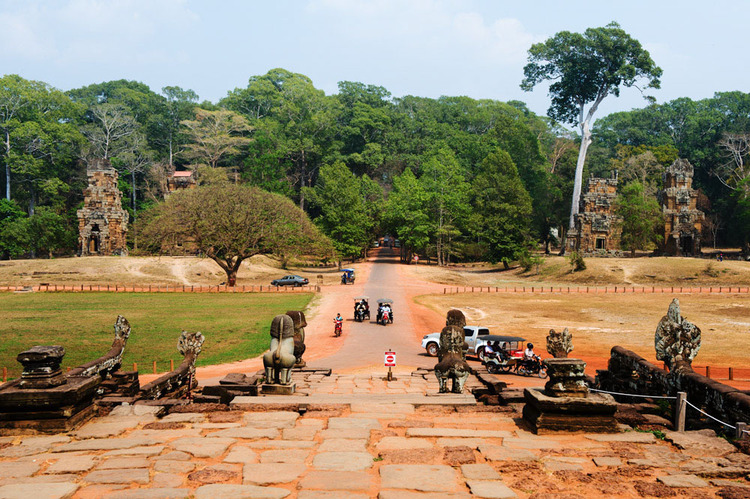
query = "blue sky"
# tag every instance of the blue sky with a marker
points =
(411, 47)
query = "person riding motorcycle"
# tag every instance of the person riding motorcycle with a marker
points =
(338, 324)
(528, 354)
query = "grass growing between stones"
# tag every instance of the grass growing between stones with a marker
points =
(235, 325)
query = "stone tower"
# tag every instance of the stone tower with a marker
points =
(683, 222)
(596, 228)
(102, 222)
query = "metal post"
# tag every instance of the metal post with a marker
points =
(740, 431)
(680, 409)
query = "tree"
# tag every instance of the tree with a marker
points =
(344, 216)
(505, 206)
(213, 136)
(641, 218)
(447, 199)
(405, 214)
(230, 223)
(585, 69)
(179, 106)
(38, 139)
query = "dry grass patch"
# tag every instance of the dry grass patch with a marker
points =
(555, 270)
(154, 270)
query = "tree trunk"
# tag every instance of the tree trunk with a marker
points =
(506, 266)
(585, 142)
(7, 165)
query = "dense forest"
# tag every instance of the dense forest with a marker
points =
(453, 178)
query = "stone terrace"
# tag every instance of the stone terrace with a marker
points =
(358, 436)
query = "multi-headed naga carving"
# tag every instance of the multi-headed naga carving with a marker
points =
(452, 364)
(677, 340)
(299, 336)
(112, 360)
(280, 359)
(559, 345)
(181, 379)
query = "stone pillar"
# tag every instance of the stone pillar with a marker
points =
(567, 378)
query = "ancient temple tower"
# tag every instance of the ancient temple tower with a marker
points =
(682, 220)
(596, 229)
(102, 223)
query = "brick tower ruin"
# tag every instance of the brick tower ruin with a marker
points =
(683, 222)
(595, 228)
(102, 222)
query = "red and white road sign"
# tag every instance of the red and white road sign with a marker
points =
(390, 359)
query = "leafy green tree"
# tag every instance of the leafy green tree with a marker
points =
(505, 206)
(642, 219)
(295, 116)
(447, 200)
(179, 105)
(406, 216)
(586, 68)
(230, 223)
(39, 141)
(344, 215)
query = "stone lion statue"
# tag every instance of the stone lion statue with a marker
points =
(280, 359)
(451, 354)
(677, 341)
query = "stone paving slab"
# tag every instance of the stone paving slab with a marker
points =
(343, 461)
(18, 469)
(282, 444)
(493, 489)
(631, 437)
(401, 443)
(268, 473)
(203, 447)
(457, 432)
(37, 490)
(141, 450)
(230, 491)
(607, 461)
(408, 494)
(71, 464)
(123, 462)
(103, 444)
(118, 476)
(701, 443)
(241, 455)
(246, 433)
(336, 480)
(481, 471)
(284, 456)
(343, 445)
(421, 477)
(682, 481)
(502, 453)
(155, 493)
(329, 494)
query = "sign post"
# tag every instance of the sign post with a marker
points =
(389, 361)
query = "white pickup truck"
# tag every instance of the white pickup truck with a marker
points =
(473, 337)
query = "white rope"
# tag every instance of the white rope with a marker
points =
(633, 395)
(710, 416)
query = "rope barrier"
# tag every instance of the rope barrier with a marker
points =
(710, 416)
(633, 395)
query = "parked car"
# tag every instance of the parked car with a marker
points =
(472, 336)
(290, 280)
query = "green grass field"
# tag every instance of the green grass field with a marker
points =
(235, 325)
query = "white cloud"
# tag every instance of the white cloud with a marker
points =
(429, 29)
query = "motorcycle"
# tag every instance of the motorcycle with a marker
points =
(532, 366)
(337, 328)
(500, 362)
(385, 318)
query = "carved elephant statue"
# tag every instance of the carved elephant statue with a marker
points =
(280, 359)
